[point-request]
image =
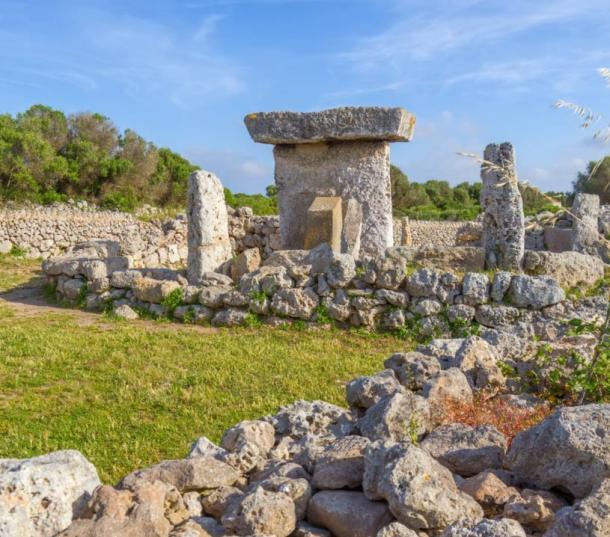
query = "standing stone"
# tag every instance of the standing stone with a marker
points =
(503, 220)
(208, 230)
(352, 228)
(342, 152)
(324, 223)
(585, 211)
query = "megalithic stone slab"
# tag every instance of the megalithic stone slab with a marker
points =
(335, 125)
(324, 223)
(585, 211)
(357, 170)
(502, 205)
(208, 229)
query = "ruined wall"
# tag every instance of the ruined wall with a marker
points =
(51, 230)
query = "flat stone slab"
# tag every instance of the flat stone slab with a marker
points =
(334, 125)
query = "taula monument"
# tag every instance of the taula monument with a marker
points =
(341, 153)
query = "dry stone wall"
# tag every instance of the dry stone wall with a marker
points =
(48, 231)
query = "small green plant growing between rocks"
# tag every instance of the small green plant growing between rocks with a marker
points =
(81, 299)
(252, 320)
(360, 271)
(173, 300)
(577, 327)
(322, 316)
(189, 316)
(258, 297)
(413, 430)
(17, 251)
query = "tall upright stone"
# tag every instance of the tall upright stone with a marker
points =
(208, 229)
(585, 215)
(503, 219)
(342, 152)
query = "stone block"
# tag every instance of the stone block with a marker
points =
(350, 170)
(558, 239)
(352, 227)
(337, 124)
(324, 223)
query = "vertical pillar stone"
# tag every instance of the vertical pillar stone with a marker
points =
(341, 152)
(503, 219)
(324, 223)
(585, 210)
(352, 228)
(208, 229)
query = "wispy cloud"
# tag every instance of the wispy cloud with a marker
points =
(428, 34)
(137, 54)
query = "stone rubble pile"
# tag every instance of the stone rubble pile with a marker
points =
(390, 465)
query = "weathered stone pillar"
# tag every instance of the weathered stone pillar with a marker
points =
(585, 211)
(503, 220)
(342, 152)
(208, 230)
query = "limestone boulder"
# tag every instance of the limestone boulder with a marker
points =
(296, 303)
(504, 527)
(535, 292)
(589, 517)
(348, 513)
(149, 510)
(534, 509)
(396, 529)
(152, 290)
(248, 444)
(198, 473)
(299, 490)
(402, 416)
(413, 369)
(230, 317)
(364, 392)
(489, 491)
(568, 450)
(312, 417)
(421, 493)
(466, 450)
(248, 261)
(261, 513)
(475, 288)
(448, 387)
(216, 501)
(570, 269)
(40, 496)
(341, 464)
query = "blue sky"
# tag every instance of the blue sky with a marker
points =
(183, 74)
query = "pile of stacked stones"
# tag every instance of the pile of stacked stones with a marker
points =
(388, 466)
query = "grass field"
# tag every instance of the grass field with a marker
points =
(130, 394)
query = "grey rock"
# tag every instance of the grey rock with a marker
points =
(341, 464)
(422, 282)
(364, 392)
(535, 292)
(125, 312)
(348, 513)
(402, 416)
(504, 527)
(186, 475)
(400, 299)
(396, 529)
(413, 369)
(337, 124)
(312, 417)
(216, 502)
(500, 284)
(299, 490)
(461, 313)
(213, 296)
(570, 269)
(421, 493)
(297, 303)
(341, 270)
(503, 220)
(495, 316)
(568, 450)
(426, 307)
(466, 450)
(475, 288)
(208, 233)
(230, 317)
(40, 496)
(261, 512)
(589, 517)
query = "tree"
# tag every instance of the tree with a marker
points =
(596, 180)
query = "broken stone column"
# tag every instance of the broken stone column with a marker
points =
(324, 223)
(503, 219)
(208, 230)
(342, 152)
(585, 211)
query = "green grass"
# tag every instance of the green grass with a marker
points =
(131, 394)
(15, 271)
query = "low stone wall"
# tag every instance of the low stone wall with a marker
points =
(320, 286)
(46, 231)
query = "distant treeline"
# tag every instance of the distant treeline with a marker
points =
(46, 156)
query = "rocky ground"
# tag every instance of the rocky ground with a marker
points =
(394, 463)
